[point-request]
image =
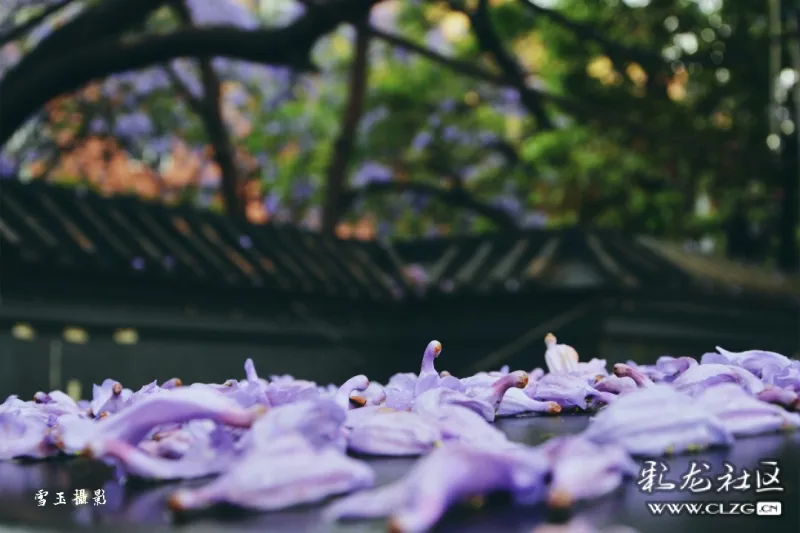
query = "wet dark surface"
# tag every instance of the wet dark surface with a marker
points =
(141, 508)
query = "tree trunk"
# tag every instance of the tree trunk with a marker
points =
(337, 172)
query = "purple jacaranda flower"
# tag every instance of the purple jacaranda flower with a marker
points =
(109, 397)
(346, 394)
(152, 388)
(280, 393)
(22, 434)
(133, 125)
(421, 141)
(393, 433)
(508, 387)
(449, 381)
(700, 377)
(786, 398)
(672, 367)
(753, 360)
(196, 460)
(370, 172)
(516, 402)
(277, 474)
(655, 421)
(785, 378)
(583, 470)
(428, 376)
(222, 13)
(463, 424)
(172, 383)
(478, 380)
(496, 391)
(484, 401)
(616, 385)
(319, 421)
(570, 391)
(355, 417)
(429, 401)
(248, 392)
(171, 444)
(373, 394)
(56, 403)
(400, 398)
(71, 433)
(450, 474)
(651, 371)
(560, 357)
(621, 370)
(328, 390)
(8, 167)
(593, 368)
(174, 406)
(742, 414)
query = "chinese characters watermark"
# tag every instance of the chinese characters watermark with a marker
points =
(79, 497)
(653, 477)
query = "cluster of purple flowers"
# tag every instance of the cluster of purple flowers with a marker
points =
(279, 442)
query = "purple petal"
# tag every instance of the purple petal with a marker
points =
(396, 434)
(450, 474)
(700, 377)
(283, 473)
(742, 414)
(622, 370)
(656, 421)
(582, 470)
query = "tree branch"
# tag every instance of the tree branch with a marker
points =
(491, 43)
(583, 111)
(288, 46)
(343, 148)
(456, 65)
(455, 197)
(19, 31)
(105, 19)
(194, 103)
(210, 111)
(647, 59)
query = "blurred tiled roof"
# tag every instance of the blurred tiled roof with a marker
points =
(81, 231)
(46, 226)
(723, 272)
(560, 259)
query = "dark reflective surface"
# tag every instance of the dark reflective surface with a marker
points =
(138, 507)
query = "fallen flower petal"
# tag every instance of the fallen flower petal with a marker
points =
(786, 398)
(656, 421)
(138, 463)
(393, 433)
(170, 407)
(291, 472)
(570, 391)
(516, 402)
(452, 473)
(559, 357)
(622, 370)
(744, 415)
(582, 470)
(698, 378)
(428, 376)
(616, 385)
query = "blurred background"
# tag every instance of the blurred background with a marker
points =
(325, 186)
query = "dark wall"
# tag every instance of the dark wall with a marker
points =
(25, 365)
(477, 334)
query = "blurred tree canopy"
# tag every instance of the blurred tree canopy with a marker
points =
(410, 118)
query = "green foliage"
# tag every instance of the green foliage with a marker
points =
(638, 138)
